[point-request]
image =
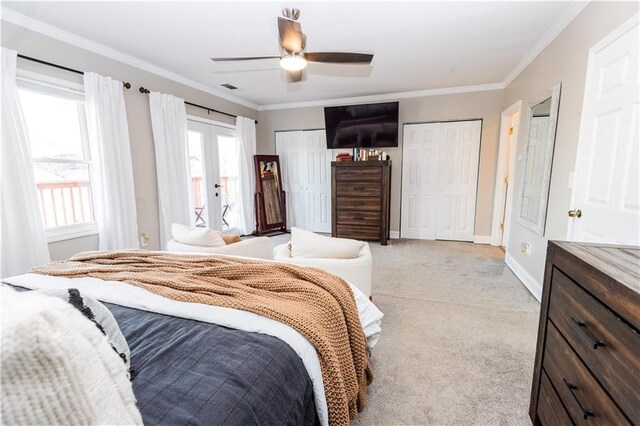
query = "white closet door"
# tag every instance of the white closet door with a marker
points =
(318, 183)
(458, 179)
(419, 180)
(306, 178)
(290, 151)
(607, 182)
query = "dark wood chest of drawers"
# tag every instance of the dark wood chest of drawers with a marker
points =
(587, 366)
(360, 200)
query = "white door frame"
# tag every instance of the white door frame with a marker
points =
(503, 204)
(582, 136)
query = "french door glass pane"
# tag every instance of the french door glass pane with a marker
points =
(64, 193)
(198, 187)
(229, 174)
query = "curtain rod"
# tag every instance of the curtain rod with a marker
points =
(126, 85)
(209, 110)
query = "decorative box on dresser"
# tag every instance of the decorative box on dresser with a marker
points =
(360, 200)
(587, 365)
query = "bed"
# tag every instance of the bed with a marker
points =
(202, 364)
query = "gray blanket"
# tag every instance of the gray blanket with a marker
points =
(191, 372)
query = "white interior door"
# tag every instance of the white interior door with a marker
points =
(318, 183)
(439, 180)
(419, 180)
(290, 150)
(458, 180)
(607, 182)
(306, 178)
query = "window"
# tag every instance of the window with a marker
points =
(56, 126)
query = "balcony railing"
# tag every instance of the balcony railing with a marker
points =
(65, 203)
(69, 202)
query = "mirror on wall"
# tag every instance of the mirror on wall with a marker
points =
(270, 202)
(540, 135)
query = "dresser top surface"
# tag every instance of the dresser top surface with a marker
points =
(361, 163)
(621, 263)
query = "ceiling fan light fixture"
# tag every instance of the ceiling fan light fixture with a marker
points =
(293, 62)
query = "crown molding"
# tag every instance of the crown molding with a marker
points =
(54, 32)
(384, 97)
(21, 20)
(558, 26)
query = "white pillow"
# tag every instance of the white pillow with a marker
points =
(307, 245)
(57, 367)
(197, 236)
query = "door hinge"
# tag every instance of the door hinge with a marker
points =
(502, 226)
(510, 130)
(506, 180)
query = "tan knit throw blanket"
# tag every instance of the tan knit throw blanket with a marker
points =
(317, 304)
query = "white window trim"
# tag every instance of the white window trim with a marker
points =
(41, 83)
(210, 121)
(62, 233)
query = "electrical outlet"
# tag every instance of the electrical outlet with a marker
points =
(525, 248)
(144, 240)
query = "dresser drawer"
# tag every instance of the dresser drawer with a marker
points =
(358, 189)
(584, 399)
(609, 347)
(550, 409)
(358, 232)
(359, 203)
(359, 173)
(353, 217)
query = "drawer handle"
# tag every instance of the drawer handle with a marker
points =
(583, 325)
(573, 388)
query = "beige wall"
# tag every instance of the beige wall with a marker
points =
(565, 61)
(485, 105)
(36, 45)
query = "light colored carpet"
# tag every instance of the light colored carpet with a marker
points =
(458, 337)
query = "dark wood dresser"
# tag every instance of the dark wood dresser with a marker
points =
(587, 366)
(360, 200)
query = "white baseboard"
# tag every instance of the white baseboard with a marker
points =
(482, 239)
(529, 282)
(394, 234)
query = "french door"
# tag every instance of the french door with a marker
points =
(606, 187)
(214, 173)
(439, 180)
(306, 178)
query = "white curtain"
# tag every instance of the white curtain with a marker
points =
(169, 124)
(246, 133)
(24, 243)
(111, 169)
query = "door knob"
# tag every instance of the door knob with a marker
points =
(217, 186)
(575, 213)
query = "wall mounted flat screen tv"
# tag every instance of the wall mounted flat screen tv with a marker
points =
(362, 126)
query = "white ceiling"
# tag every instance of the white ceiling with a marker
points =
(417, 45)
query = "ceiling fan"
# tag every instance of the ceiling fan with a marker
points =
(293, 42)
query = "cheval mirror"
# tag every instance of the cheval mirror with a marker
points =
(542, 119)
(271, 212)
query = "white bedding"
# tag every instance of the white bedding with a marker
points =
(123, 294)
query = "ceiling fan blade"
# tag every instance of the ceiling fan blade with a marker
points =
(244, 58)
(295, 76)
(339, 57)
(291, 37)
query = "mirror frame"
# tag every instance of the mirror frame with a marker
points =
(539, 226)
(261, 220)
